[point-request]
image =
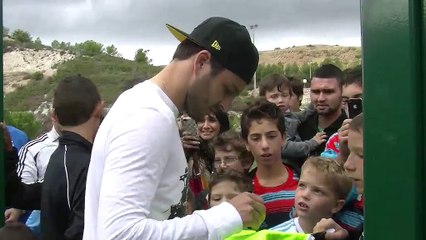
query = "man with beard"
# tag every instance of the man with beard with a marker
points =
(137, 170)
(326, 97)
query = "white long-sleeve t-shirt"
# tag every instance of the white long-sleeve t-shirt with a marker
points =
(137, 173)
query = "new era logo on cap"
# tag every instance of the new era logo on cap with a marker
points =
(216, 45)
(228, 42)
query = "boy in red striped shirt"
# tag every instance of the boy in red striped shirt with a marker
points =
(263, 129)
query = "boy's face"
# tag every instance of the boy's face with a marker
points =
(354, 164)
(294, 103)
(227, 160)
(350, 91)
(281, 99)
(314, 197)
(223, 192)
(264, 141)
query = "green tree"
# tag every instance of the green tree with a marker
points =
(55, 44)
(63, 46)
(327, 60)
(292, 70)
(37, 43)
(265, 70)
(25, 121)
(306, 70)
(5, 31)
(89, 48)
(141, 56)
(111, 50)
(21, 36)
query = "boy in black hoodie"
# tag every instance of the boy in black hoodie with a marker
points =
(78, 108)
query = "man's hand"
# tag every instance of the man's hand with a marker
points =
(12, 215)
(320, 138)
(251, 209)
(325, 224)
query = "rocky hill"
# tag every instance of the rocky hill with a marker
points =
(348, 56)
(20, 65)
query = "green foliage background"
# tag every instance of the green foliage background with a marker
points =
(24, 121)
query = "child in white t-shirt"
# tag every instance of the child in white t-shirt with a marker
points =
(321, 192)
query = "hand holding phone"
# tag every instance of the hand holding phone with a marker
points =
(189, 125)
(354, 107)
(190, 139)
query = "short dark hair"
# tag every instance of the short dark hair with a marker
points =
(296, 85)
(187, 48)
(16, 231)
(357, 123)
(231, 141)
(74, 100)
(272, 81)
(261, 109)
(243, 182)
(329, 71)
(353, 76)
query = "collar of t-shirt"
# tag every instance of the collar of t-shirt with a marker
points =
(297, 225)
(163, 96)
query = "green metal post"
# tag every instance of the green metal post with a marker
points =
(394, 60)
(2, 174)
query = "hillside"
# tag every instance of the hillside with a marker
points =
(110, 74)
(18, 66)
(348, 56)
(30, 75)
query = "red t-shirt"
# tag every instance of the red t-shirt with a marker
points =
(278, 200)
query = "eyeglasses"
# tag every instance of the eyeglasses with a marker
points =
(226, 160)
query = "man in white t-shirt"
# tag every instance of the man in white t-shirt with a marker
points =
(137, 171)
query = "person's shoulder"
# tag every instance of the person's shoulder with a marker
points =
(36, 144)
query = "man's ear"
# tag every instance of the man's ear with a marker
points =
(202, 61)
(339, 205)
(54, 116)
(98, 111)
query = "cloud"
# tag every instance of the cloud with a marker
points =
(133, 24)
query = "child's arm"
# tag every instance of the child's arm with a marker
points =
(294, 149)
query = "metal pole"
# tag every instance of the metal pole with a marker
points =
(2, 174)
(253, 27)
(254, 77)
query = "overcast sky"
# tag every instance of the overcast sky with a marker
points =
(134, 24)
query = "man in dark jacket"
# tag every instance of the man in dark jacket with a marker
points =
(326, 97)
(78, 108)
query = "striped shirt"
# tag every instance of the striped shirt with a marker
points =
(278, 200)
(35, 155)
(291, 226)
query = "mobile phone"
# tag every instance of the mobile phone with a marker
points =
(354, 107)
(189, 125)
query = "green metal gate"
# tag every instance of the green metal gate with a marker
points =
(394, 59)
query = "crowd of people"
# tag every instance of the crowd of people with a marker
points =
(164, 163)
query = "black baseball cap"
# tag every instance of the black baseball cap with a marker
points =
(228, 42)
